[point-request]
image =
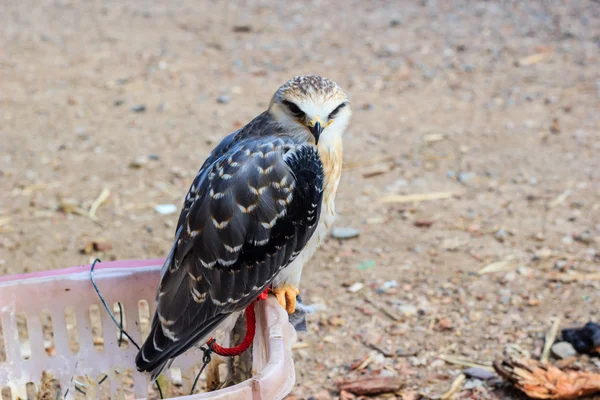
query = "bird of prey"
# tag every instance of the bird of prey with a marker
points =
(256, 212)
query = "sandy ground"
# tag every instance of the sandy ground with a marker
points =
(497, 103)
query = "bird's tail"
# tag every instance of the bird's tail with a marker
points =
(158, 351)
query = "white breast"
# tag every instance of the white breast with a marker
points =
(331, 156)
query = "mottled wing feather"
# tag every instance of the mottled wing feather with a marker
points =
(251, 211)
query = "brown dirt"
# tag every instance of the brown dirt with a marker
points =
(512, 89)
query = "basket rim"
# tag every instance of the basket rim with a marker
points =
(121, 264)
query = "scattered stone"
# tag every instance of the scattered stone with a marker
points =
(453, 244)
(539, 237)
(336, 321)
(561, 265)
(355, 287)
(396, 185)
(472, 384)
(465, 177)
(223, 99)
(400, 352)
(584, 237)
(140, 108)
(96, 245)
(567, 240)
(445, 324)
(166, 209)
(479, 373)
(408, 309)
(422, 223)
(509, 277)
(395, 22)
(387, 285)
(563, 350)
(555, 127)
(542, 254)
(118, 102)
(139, 162)
(345, 233)
(242, 29)
(500, 235)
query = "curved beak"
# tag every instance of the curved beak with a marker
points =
(316, 130)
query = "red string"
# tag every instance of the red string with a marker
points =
(250, 332)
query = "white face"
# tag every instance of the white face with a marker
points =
(320, 119)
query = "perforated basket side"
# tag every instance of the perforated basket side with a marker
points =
(126, 283)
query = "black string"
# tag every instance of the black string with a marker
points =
(80, 390)
(205, 361)
(119, 325)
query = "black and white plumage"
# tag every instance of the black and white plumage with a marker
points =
(252, 210)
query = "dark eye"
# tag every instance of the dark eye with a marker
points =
(337, 109)
(294, 109)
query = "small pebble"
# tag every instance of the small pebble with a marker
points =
(395, 22)
(389, 284)
(139, 162)
(567, 240)
(396, 185)
(242, 29)
(523, 270)
(408, 309)
(509, 277)
(465, 177)
(584, 237)
(479, 373)
(166, 209)
(140, 108)
(563, 350)
(500, 235)
(345, 233)
(542, 254)
(355, 287)
(472, 384)
(224, 99)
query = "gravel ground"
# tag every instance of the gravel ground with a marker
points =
(496, 105)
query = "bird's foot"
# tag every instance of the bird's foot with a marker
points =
(286, 297)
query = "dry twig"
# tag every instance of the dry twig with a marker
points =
(370, 385)
(466, 362)
(383, 309)
(499, 266)
(455, 388)
(98, 202)
(413, 198)
(549, 341)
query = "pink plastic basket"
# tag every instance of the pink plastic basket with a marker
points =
(126, 282)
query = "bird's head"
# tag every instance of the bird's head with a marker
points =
(311, 107)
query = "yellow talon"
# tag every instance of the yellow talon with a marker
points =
(286, 297)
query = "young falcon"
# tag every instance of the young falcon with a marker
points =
(258, 209)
